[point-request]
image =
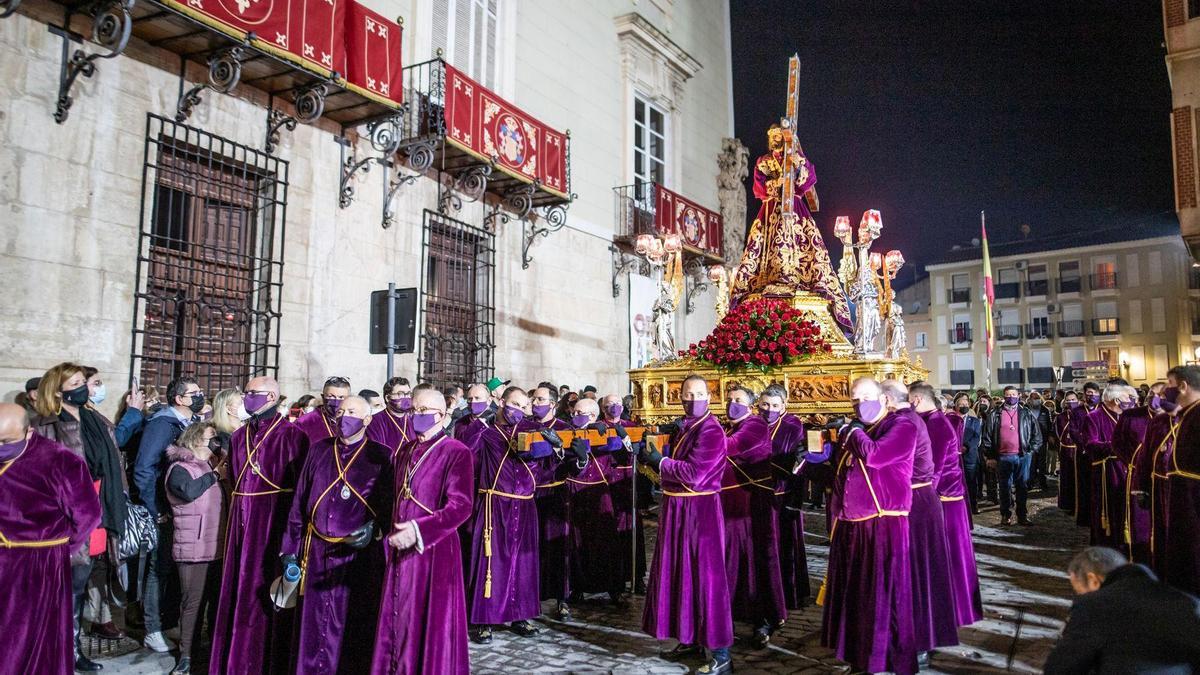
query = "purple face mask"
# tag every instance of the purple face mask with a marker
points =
(422, 422)
(1127, 404)
(540, 411)
(255, 402)
(10, 450)
(614, 411)
(1011, 400)
(513, 415)
(579, 421)
(478, 407)
(1155, 402)
(1072, 404)
(737, 410)
(1093, 399)
(333, 404)
(868, 411)
(349, 426)
(401, 404)
(694, 409)
(1171, 394)
(771, 416)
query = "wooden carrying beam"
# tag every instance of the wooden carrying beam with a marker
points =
(526, 439)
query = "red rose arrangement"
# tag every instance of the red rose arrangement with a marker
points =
(760, 334)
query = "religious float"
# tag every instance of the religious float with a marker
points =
(783, 314)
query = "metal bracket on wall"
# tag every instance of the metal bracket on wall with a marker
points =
(224, 73)
(621, 263)
(471, 181)
(111, 27)
(697, 282)
(276, 120)
(555, 217)
(385, 139)
(518, 201)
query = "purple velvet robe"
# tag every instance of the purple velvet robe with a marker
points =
(1139, 489)
(1077, 429)
(687, 595)
(1160, 496)
(467, 429)
(423, 615)
(1181, 550)
(594, 551)
(390, 430)
(317, 424)
(951, 490)
(48, 508)
(957, 423)
(787, 434)
(1068, 490)
(265, 458)
(1101, 423)
(631, 561)
(934, 622)
(1127, 440)
(503, 581)
(867, 596)
(751, 525)
(340, 586)
(554, 526)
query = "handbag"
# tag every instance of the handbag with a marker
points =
(141, 532)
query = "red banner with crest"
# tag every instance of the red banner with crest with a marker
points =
(482, 123)
(699, 227)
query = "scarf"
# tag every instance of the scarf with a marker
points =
(100, 451)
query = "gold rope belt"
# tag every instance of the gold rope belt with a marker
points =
(882, 514)
(916, 486)
(262, 494)
(307, 544)
(689, 494)
(556, 483)
(487, 531)
(45, 543)
(951, 499)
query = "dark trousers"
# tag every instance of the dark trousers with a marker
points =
(971, 476)
(1014, 476)
(199, 583)
(79, 578)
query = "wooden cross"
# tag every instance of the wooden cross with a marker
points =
(791, 145)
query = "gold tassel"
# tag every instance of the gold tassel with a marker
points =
(821, 594)
(487, 583)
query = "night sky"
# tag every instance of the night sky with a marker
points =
(1050, 113)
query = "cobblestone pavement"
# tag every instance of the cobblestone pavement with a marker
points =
(1025, 594)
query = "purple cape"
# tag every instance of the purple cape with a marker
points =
(751, 525)
(1103, 477)
(503, 581)
(317, 424)
(1068, 479)
(787, 434)
(1140, 492)
(868, 591)
(1181, 550)
(48, 509)
(964, 576)
(340, 586)
(423, 616)
(265, 457)
(687, 596)
(390, 430)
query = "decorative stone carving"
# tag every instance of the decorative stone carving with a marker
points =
(734, 163)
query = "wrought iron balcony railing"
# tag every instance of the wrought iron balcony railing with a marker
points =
(1008, 291)
(1104, 281)
(962, 378)
(1040, 375)
(960, 335)
(1037, 286)
(1010, 375)
(651, 209)
(1008, 332)
(958, 295)
(1075, 328)
(1039, 330)
(1069, 285)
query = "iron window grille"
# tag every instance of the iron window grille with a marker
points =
(209, 259)
(458, 299)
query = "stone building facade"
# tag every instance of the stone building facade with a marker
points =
(78, 210)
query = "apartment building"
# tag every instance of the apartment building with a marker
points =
(1181, 37)
(1127, 296)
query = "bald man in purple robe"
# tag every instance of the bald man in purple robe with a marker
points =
(479, 416)
(687, 596)
(787, 437)
(1128, 439)
(934, 619)
(951, 490)
(1181, 550)
(1101, 423)
(751, 528)
(423, 616)
(868, 591)
(342, 499)
(321, 422)
(391, 428)
(265, 458)
(48, 509)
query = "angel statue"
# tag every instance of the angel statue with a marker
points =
(897, 337)
(865, 294)
(664, 320)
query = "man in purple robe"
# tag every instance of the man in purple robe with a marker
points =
(867, 594)
(391, 429)
(1078, 430)
(951, 490)
(1145, 483)
(787, 437)
(1128, 439)
(342, 501)
(265, 457)
(466, 429)
(687, 596)
(751, 525)
(593, 551)
(321, 422)
(1068, 478)
(423, 615)
(1181, 550)
(503, 582)
(1101, 423)
(934, 623)
(631, 549)
(551, 498)
(48, 510)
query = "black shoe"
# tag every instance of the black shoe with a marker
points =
(1025, 521)
(525, 628)
(184, 667)
(85, 665)
(684, 651)
(639, 588)
(618, 600)
(761, 637)
(715, 666)
(482, 635)
(564, 612)
(106, 631)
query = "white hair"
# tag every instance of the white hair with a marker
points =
(1113, 392)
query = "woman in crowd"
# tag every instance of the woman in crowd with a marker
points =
(65, 416)
(197, 503)
(228, 415)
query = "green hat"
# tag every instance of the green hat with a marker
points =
(495, 382)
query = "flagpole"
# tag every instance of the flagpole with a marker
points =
(987, 299)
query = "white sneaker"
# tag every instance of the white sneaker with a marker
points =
(156, 643)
